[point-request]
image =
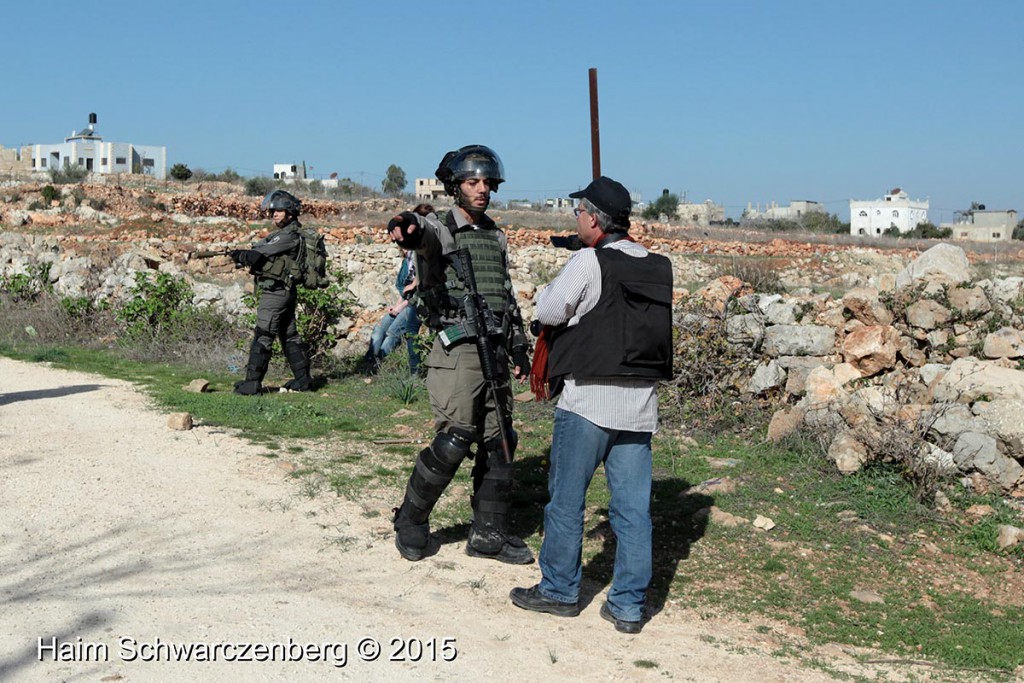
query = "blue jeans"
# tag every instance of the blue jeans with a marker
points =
(391, 330)
(577, 448)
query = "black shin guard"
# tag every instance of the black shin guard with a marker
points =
(298, 360)
(435, 467)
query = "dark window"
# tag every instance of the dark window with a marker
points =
(120, 160)
(33, 162)
(42, 162)
(103, 161)
(996, 235)
(147, 162)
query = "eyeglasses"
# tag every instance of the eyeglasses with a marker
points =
(577, 211)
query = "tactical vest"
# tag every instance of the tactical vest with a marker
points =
(278, 269)
(443, 302)
(628, 333)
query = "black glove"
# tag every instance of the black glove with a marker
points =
(404, 222)
(249, 258)
(521, 359)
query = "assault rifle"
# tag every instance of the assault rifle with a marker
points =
(210, 254)
(480, 315)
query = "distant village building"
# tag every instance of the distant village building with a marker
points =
(896, 210)
(86, 149)
(796, 209)
(702, 215)
(560, 204)
(429, 189)
(289, 171)
(15, 161)
(981, 225)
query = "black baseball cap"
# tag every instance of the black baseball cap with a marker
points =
(609, 196)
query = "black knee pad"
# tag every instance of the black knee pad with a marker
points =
(435, 467)
(452, 446)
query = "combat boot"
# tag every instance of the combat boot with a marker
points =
(411, 538)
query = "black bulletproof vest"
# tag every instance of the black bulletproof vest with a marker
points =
(629, 332)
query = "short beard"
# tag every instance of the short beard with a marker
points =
(471, 210)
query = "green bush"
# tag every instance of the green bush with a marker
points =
(27, 286)
(157, 303)
(180, 172)
(667, 204)
(50, 193)
(259, 186)
(71, 173)
(927, 231)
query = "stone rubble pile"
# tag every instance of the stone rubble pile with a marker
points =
(929, 373)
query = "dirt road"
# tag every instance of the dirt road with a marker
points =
(130, 552)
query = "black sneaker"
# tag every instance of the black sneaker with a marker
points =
(532, 599)
(495, 545)
(621, 625)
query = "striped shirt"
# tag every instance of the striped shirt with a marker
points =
(623, 404)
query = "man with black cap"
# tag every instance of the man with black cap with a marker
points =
(609, 315)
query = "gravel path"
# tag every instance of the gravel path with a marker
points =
(125, 545)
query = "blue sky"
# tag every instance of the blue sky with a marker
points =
(728, 100)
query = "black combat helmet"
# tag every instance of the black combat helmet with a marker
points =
(279, 200)
(471, 161)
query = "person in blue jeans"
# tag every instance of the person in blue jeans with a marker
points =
(400, 322)
(608, 333)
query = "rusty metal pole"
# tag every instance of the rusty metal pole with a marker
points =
(595, 127)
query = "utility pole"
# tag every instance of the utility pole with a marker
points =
(595, 127)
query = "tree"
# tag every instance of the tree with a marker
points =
(395, 181)
(667, 204)
(181, 172)
(1018, 232)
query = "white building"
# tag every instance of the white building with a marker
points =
(796, 209)
(86, 149)
(702, 215)
(981, 225)
(560, 204)
(896, 210)
(429, 189)
(289, 171)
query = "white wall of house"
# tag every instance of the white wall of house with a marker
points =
(101, 157)
(874, 216)
(980, 225)
(794, 211)
(286, 171)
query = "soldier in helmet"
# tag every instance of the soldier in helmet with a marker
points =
(464, 408)
(270, 260)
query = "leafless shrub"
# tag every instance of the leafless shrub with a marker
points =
(895, 426)
(762, 274)
(707, 371)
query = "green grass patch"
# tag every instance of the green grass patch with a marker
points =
(941, 579)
